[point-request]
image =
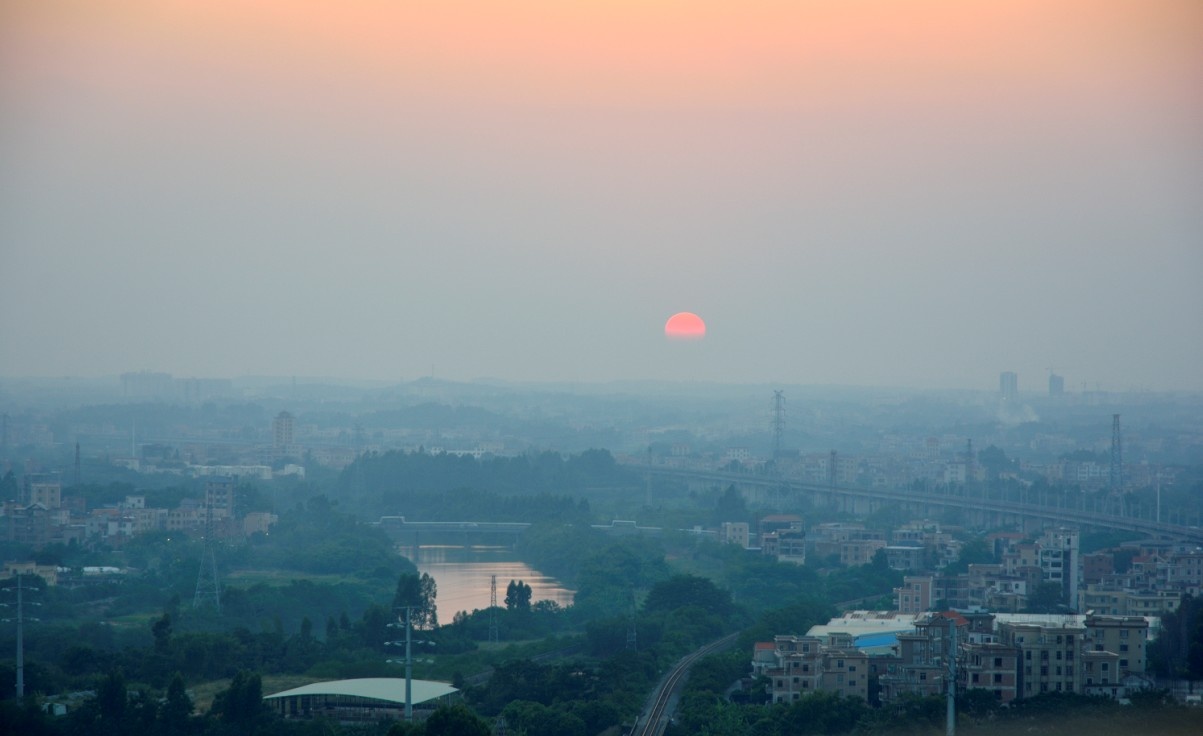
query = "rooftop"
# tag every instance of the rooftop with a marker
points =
(387, 689)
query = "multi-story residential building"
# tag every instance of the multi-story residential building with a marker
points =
(1112, 600)
(1060, 560)
(1101, 674)
(924, 657)
(735, 532)
(283, 427)
(804, 664)
(915, 595)
(46, 492)
(857, 552)
(1096, 566)
(989, 666)
(828, 539)
(33, 525)
(907, 557)
(1047, 656)
(785, 545)
(1185, 571)
(1126, 636)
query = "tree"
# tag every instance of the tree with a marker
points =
(456, 720)
(241, 704)
(418, 592)
(1047, 598)
(112, 698)
(974, 552)
(161, 629)
(517, 596)
(176, 708)
(730, 506)
(688, 590)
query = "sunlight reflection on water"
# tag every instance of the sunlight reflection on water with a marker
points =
(463, 574)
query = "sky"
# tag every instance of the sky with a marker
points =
(910, 193)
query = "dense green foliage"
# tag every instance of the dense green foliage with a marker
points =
(1178, 650)
(523, 488)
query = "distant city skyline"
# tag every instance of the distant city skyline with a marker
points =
(915, 195)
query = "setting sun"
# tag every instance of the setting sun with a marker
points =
(685, 326)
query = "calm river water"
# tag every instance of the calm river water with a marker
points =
(462, 575)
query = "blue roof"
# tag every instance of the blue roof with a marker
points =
(876, 640)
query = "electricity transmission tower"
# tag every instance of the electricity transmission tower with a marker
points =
(778, 421)
(208, 591)
(1117, 455)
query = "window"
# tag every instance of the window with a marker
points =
(1123, 647)
(1106, 666)
(975, 680)
(1044, 655)
(839, 663)
(998, 662)
(1058, 655)
(852, 668)
(997, 678)
(1028, 655)
(1123, 633)
(1123, 663)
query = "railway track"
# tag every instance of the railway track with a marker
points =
(652, 723)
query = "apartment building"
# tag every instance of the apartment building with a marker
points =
(804, 664)
(1047, 656)
(915, 595)
(989, 666)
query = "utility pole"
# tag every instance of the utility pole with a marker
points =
(20, 641)
(951, 710)
(409, 664)
(493, 611)
(632, 636)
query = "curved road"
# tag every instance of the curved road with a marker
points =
(656, 713)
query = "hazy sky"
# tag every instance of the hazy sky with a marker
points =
(910, 193)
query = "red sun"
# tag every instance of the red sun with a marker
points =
(685, 326)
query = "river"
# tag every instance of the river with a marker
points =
(463, 576)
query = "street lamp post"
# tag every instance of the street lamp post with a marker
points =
(409, 661)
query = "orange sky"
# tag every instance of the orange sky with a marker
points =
(627, 139)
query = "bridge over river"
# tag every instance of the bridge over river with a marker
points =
(984, 510)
